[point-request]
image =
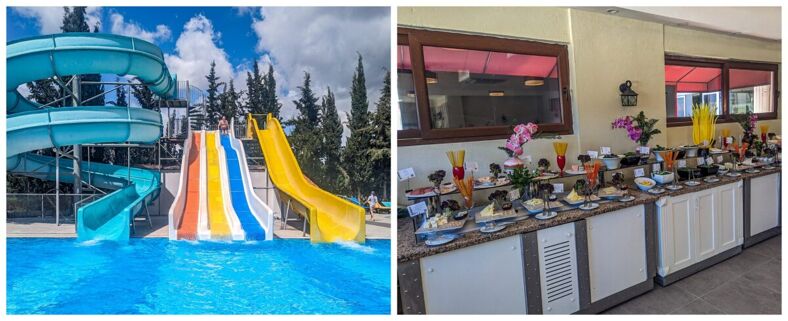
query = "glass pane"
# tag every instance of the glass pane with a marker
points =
(686, 86)
(471, 88)
(751, 90)
(409, 118)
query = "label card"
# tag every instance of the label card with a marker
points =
(472, 166)
(719, 159)
(604, 150)
(417, 209)
(558, 188)
(682, 163)
(656, 167)
(700, 161)
(593, 154)
(644, 149)
(514, 194)
(406, 174)
(709, 160)
(639, 172)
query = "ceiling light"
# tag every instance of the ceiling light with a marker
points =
(534, 82)
(431, 77)
(496, 93)
(612, 11)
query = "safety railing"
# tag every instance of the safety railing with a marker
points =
(41, 205)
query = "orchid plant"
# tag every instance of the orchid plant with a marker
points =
(523, 133)
(639, 128)
(747, 122)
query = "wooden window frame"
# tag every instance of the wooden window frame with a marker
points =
(725, 65)
(416, 39)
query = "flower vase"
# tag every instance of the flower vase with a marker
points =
(513, 162)
(561, 161)
(763, 137)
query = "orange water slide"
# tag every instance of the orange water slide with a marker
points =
(188, 225)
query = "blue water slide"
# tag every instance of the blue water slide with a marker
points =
(32, 126)
(250, 224)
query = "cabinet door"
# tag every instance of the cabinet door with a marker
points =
(677, 243)
(616, 251)
(731, 216)
(764, 200)
(558, 269)
(707, 223)
(482, 279)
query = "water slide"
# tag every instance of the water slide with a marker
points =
(331, 218)
(256, 218)
(31, 126)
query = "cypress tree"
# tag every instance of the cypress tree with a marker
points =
(145, 96)
(229, 103)
(357, 166)
(380, 144)
(213, 110)
(305, 138)
(272, 104)
(331, 128)
(120, 99)
(253, 90)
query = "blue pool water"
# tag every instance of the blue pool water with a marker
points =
(158, 276)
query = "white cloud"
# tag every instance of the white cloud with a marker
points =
(118, 25)
(324, 42)
(50, 19)
(195, 48)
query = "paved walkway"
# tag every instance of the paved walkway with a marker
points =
(34, 227)
(748, 283)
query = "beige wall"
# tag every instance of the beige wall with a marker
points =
(604, 51)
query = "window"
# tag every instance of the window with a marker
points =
(456, 87)
(693, 81)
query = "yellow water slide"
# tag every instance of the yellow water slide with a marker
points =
(217, 218)
(331, 218)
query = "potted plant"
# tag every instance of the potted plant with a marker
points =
(544, 165)
(523, 133)
(747, 122)
(437, 178)
(521, 179)
(630, 159)
(640, 129)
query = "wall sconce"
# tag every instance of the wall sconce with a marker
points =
(628, 96)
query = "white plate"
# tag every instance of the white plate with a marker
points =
(625, 199)
(656, 191)
(492, 229)
(733, 174)
(439, 240)
(674, 187)
(578, 172)
(691, 183)
(545, 216)
(589, 206)
(711, 180)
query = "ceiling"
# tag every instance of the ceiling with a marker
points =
(757, 22)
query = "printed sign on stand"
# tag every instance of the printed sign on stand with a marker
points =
(656, 167)
(639, 172)
(593, 154)
(417, 209)
(604, 150)
(682, 163)
(558, 188)
(406, 174)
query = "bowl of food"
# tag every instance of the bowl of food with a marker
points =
(662, 177)
(685, 172)
(708, 170)
(611, 161)
(645, 183)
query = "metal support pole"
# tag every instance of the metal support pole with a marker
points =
(128, 164)
(77, 93)
(57, 188)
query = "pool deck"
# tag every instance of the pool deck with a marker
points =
(36, 227)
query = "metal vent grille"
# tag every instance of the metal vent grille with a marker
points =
(558, 271)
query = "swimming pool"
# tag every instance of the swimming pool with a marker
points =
(158, 276)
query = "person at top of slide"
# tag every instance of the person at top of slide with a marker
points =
(223, 125)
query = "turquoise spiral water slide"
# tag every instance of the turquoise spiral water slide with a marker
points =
(32, 126)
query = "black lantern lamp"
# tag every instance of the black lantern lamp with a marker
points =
(628, 96)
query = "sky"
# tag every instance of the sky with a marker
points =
(322, 41)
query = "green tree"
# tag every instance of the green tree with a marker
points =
(120, 99)
(334, 177)
(305, 136)
(145, 96)
(254, 86)
(44, 92)
(379, 153)
(269, 99)
(213, 104)
(358, 168)
(230, 103)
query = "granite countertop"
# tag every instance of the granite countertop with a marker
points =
(409, 249)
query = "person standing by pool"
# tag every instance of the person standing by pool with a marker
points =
(372, 201)
(223, 126)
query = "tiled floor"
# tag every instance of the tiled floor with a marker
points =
(748, 283)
